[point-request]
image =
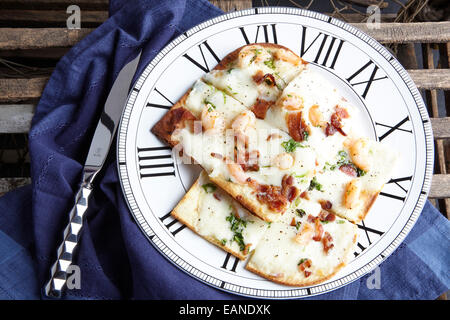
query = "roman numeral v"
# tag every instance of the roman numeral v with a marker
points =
(203, 65)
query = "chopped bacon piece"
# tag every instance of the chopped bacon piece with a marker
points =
(298, 129)
(268, 78)
(304, 195)
(349, 169)
(293, 222)
(258, 77)
(216, 155)
(271, 195)
(305, 264)
(325, 204)
(318, 229)
(342, 112)
(260, 108)
(326, 216)
(273, 136)
(327, 242)
(174, 119)
(287, 188)
(335, 122)
(330, 130)
(247, 247)
(216, 196)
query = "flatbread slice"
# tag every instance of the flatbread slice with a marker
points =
(214, 215)
(243, 155)
(306, 250)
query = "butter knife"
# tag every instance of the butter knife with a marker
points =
(101, 142)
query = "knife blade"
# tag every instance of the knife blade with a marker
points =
(98, 151)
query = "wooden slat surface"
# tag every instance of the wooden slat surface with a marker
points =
(16, 118)
(33, 38)
(439, 185)
(14, 90)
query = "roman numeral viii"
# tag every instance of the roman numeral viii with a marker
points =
(203, 63)
(325, 52)
(155, 162)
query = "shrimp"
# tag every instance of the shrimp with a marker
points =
(288, 56)
(252, 54)
(283, 161)
(315, 116)
(243, 122)
(359, 154)
(212, 121)
(305, 234)
(351, 193)
(291, 102)
(237, 172)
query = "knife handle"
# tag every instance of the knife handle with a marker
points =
(71, 237)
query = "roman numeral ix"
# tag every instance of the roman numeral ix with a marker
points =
(368, 82)
(155, 162)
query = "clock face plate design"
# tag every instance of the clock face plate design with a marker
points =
(391, 111)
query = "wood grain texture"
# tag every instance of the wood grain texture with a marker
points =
(33, 38)
(231, 5)
(424, 32)
(13, 90)
(440, 186)
(16, 118)
(8, 184)
(431, 78)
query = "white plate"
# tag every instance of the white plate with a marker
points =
(392, 111)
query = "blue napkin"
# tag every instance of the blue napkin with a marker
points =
(115, 258)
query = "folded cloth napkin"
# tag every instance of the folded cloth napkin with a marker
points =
(115, 258)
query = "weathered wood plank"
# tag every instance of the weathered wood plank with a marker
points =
(227, 5)
(14, 90)
(440, 186)
(441, 127)
(33, 38)
(8, 184)
(16, 118)
(50, 16)
(431, 78)
(424, 32)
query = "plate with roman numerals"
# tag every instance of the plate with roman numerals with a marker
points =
(393, 112)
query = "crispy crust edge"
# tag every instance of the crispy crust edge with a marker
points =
(250, 268)
(192, 195)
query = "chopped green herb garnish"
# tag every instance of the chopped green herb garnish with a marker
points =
(301, 261)
(223, 242)
(237, 226)
(324, 222)
(229, 70)
(291, 145)
(300, 212)
(210, 103)
(224, 97)
(315, 185)
(340, 221)
(270, 63)
(360, 172)
(298, 225)
(269, 223)
(209, 187)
